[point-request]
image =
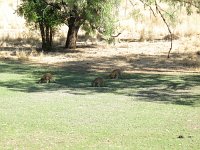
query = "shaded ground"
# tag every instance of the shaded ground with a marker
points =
(148, 74)
(157, 100)
(179, 89)
(130, 56)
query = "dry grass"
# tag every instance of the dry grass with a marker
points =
(144, 28)
(132, 57)
(191, 61)
(17, 42)
(22, 55)
(4, 54)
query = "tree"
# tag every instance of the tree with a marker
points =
(39, 14)
(99, 14)
(90, 14)
(188, 4)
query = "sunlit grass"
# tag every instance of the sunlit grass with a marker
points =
(140, 111)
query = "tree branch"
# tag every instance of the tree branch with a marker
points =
(164, 20)
(149, 7)
(188, 2)
(132, 3)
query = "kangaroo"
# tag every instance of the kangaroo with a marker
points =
(98, 82)
(46, 78)
(115, 74)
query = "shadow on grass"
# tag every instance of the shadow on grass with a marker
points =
(180, 90)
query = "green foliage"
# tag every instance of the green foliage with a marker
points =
(40, 14)
(91, 15)
(188, 4)
(169, 14)
(136, 14)
(95, 14)
(35, 11)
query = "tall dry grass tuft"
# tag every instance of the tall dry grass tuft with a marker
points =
(22, 55)
(142, 36)
(191, 60)
(4, 54)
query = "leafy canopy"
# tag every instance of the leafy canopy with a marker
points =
(35, 11)
(91, 14)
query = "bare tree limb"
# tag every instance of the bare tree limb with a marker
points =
(164, 20)
(149, 7)
(132, 3)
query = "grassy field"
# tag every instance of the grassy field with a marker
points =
(155, 106)
(140, 111)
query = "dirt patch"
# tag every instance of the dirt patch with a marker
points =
(143, 57)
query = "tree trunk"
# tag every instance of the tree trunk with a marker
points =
(51, 36)
(46, 35)
(72, 34)
(42, 34)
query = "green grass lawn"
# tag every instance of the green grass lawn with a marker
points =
(140, 111)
